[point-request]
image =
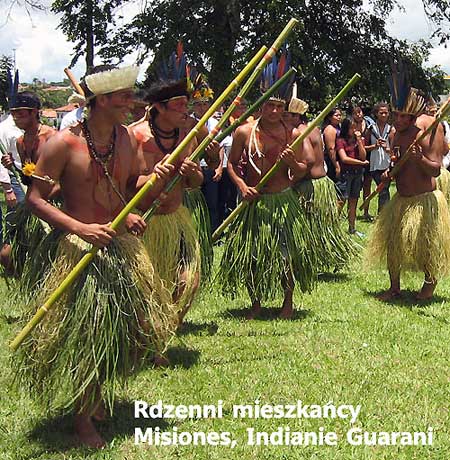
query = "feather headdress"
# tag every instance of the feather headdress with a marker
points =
(273, 72)
(297, 105)
(172, 76)
(201, 91)
(404, 98)
(13, 88)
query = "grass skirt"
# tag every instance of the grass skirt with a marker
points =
(333, 246)
(25, 232)
(266, 240)
(98, 330)
(172, 245)
(443, 183)
(195, 202)
(412, 233)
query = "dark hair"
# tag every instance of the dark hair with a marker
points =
(328, 117)
(345, 128)
(163, 90)
(378, 106)
(91, 71)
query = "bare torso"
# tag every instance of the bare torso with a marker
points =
(270, 144)
(29, 148)
(315, 138)
(411, 180)
(148, 155)
(88, 195)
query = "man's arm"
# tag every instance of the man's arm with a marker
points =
(427, 158)
(301, 159)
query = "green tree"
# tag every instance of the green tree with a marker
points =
(85, 23)
(333, 41)
(5, 75)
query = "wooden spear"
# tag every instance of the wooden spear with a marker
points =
(294, 144)
(444, 111)
(86, 259)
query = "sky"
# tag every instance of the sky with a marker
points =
(42, 50)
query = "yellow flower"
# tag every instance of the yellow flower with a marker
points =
(196, 94)
(209, 93)
(28, 169)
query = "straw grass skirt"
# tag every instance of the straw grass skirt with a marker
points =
(116, 311)
(25, 232)
(268, 239)
(412, 233)
(443, 183)
(196, 203)
(172, 245)
(333, 246)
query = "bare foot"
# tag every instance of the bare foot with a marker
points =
(161, 361)
(390, 294)
(86, 432)
(99, 414)
(254, 311)
(426, 292)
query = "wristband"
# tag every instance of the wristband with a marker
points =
(9, 191)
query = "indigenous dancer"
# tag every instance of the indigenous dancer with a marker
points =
(333, 246)
(116, 308)
(203, 202)
(436, 143)
(268, 240)
(171, 239)
(24, 230)
(412, 229)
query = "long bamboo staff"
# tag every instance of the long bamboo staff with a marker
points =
(86, 259)
(198, 153)
(294, 144)
(444, 111)
(73, 81)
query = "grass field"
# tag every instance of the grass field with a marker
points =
(343, 347)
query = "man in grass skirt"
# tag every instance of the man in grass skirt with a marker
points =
(411, 232)
(171, 239)
(24, 231)
(267, 245)
(94, 338)
(332, 245)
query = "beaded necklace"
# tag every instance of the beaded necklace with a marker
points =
(159, 134)
(102, 160)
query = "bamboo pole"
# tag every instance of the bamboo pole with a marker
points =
(294, 144)
(198, 153)
(444, 111)
(86, 259)
(73, 81)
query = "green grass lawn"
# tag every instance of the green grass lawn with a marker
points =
(343, 346)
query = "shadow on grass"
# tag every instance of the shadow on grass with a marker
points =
(267, 314)
(182, 357)
(205, 329)
(333, 278)
(56, 434)
(406, 299)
